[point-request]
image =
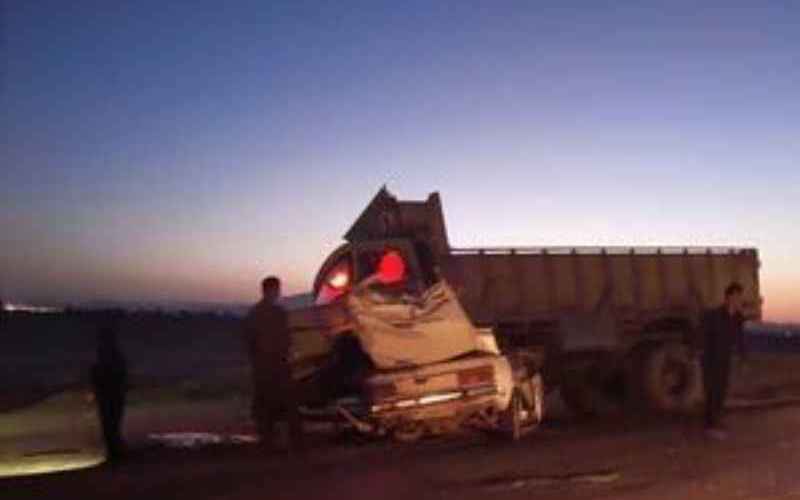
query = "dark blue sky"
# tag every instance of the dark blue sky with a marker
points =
(182, 151)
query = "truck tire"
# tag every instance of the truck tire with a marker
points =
(671, 379)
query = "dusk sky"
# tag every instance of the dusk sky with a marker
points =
(181, 152)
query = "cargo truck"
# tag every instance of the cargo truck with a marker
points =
(614, 325)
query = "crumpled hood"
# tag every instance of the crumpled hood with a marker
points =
(410, 331)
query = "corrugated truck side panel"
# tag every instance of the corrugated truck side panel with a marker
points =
(507, 287)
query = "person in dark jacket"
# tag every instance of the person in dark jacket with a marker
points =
(723, 334)
(266, 336)
(109, 379)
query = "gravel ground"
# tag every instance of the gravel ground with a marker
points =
(613, 458)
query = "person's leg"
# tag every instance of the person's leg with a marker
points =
(708, 386)
(117, 409)
(715, 401)
(296, 436)
(106, 414)
(723, 379)
(264, 418)
(714, 393)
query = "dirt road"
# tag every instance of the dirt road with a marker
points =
(607, 459)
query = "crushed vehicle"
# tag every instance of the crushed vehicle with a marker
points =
(609, 325)
(407, 366)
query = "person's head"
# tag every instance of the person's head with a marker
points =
(733, 297)
(271, 289)
(107, 343)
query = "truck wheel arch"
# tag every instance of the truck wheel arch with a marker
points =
(669, 377)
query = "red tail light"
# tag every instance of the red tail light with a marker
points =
(471, 377)
(391, 268)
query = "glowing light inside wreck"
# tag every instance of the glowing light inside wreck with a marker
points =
(340, 279)
(439, 398)
(337, 281)
(424, 400)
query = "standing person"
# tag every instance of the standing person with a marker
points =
(266, 335)
(110, 378)
(723, 332)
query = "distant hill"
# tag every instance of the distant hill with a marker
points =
(298, 300)
(236, 309)
(290, 302)
(774, 328)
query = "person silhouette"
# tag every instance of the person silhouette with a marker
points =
(266, 336)
(109, 379)
(723, 333)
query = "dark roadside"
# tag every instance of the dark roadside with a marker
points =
(613, 458)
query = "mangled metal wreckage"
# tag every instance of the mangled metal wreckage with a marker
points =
(614, 327)
(406, 365)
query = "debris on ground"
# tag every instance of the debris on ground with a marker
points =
(193, 440)
(515, 482)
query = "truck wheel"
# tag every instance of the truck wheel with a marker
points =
(671, 378)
